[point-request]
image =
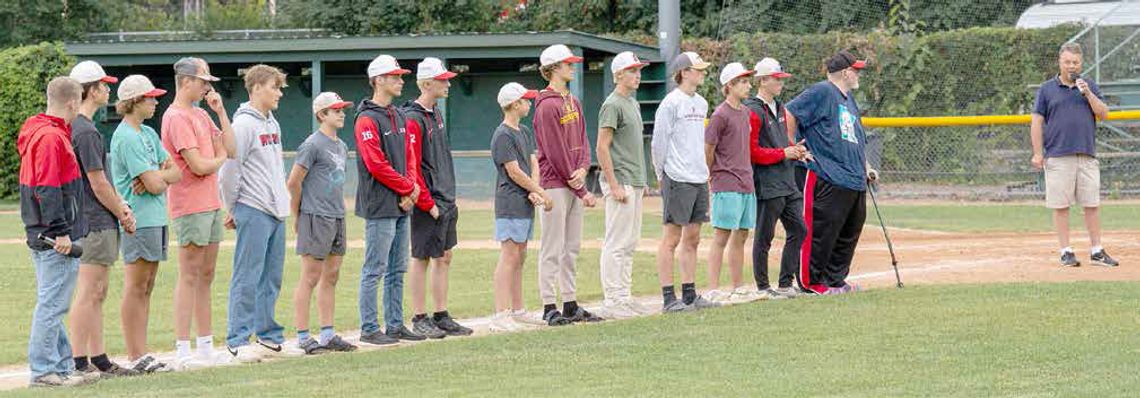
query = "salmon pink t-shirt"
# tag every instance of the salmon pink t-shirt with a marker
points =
(184, 129)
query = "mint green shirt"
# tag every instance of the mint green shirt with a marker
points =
(134, 152)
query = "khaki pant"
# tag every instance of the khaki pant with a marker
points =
(561, 240)
(623, 230)
(1072, 180)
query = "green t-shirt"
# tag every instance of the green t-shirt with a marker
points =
(134, 152)
(623, 114)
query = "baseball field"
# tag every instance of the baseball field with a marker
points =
(985, 311)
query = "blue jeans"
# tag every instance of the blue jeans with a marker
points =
(385, 253)
(259, 258)
(48, 348)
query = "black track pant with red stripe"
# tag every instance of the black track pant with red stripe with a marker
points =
(834, 217)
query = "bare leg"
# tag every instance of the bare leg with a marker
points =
(736, 257)
(138, 283)
(671, 237)
(440, 269)
(311, 269)
(326, 290)
(690, 241)
(416, 276)
(1061, 225)
(504, 276)
(1092, 223)
(716, 256)
(86, 316)
(516, 282)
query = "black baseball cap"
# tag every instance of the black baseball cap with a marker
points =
(843, 60)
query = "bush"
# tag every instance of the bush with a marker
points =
(24, 74)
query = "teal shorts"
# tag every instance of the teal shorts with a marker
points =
(733, 210)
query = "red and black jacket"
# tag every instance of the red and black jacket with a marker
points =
(384, 161)
(773, 175)
(51, 186)
(432, 147)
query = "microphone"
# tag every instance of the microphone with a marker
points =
(76, 250)
(1075, 77)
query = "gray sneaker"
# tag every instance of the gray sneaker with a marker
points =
(339, 345)
(427, 328)
(378, 338)
(57, 380)
(677, 306)
(311, 346)
(786, 292)
(1102, 259)
(700, 303)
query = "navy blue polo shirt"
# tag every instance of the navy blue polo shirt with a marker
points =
(1070, 125)
(830, 123)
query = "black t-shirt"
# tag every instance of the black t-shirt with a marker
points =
(507, 145)
(92, 155)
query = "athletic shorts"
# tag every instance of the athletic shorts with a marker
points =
(684, 203)
(432, 237)
(1072, 180)
(320, 236)
(518, 230)
(100, 247)
(147, 244)
(199, 229)
(733, 210)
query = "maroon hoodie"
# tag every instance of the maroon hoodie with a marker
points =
(560, 130)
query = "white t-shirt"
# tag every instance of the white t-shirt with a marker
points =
(679, 138)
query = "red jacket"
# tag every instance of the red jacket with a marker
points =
(51, 186)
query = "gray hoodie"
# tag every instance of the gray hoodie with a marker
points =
(256, 175)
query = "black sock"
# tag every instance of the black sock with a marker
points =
(570, 308)
(549, 307)
(440, 315)
(101, 362)
(419, 317)
(688, 292)
(669, 293)
(80, 363)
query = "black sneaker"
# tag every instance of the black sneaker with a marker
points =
(452, 328)
(1102, 258)
(339, 345)
(311, 347)
(427, 328)
(378, 338)
(1068, 259)
(555, 318)
(403, 333)
(581, 315)
(118, 371)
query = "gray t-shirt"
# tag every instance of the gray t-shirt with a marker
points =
(508, 144)
(92, 154)
(322, 191)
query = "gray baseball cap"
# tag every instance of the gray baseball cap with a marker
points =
(196, 67)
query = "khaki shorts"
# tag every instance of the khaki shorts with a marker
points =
(199, 229)
(1072, 180)
(101, 247)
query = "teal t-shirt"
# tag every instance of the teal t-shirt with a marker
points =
(134, 152)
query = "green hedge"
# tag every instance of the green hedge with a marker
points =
(24, 74)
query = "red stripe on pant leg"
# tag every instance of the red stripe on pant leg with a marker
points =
(805, 248)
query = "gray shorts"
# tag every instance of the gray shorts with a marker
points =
(320, 236)
(101, 247)
(685, 203)
(147, 244)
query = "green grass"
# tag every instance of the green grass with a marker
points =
(997, 217)
(1023, 340)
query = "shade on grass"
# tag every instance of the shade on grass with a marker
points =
(1070, 339)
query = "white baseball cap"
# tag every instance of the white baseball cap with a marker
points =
(558, 53)
(135, 86)
(732, 71)
(432, 68)
(329, 100)
(385, 65)
(770, 67)
(90, 71)
(626, 60)
(512, 92)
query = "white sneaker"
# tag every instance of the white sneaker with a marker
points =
(217, 358)
(770, 294)
(521, 318)
(192, 362)
(245, 354)
(271, 350)
(616, 310)
(637, 308)
(58, 380)
(717, 296)
(502, 323)
(743, 295)
(149, 364)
